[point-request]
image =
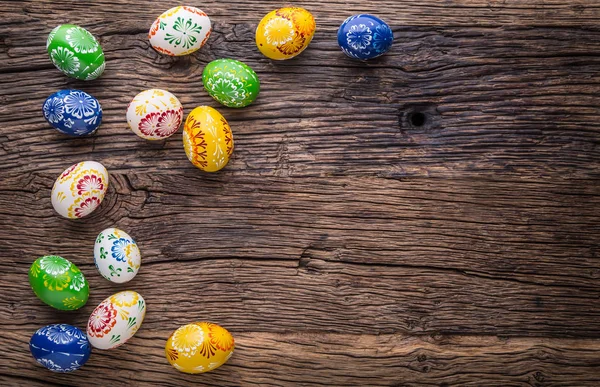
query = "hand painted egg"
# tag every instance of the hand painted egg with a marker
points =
(116, 255)
(285, 32)
(154, 114)
(60, 347)
(231, 82)
(73, 112)
(199, 347)
(58, 282)
(365, 37)
(180, 31)
(207, 139)
(80, 189)
(116, 319)
(75, 52)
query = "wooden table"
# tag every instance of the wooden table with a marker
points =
(428, 218)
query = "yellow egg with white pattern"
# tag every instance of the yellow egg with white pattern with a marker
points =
(199, 347)
(207, 139)
(285, 32)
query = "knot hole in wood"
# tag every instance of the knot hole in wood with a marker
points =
(418, 116)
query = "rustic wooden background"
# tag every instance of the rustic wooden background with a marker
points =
(346, 243)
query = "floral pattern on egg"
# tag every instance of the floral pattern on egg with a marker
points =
(207, 139)
(365, 37)
(73, 112)
(199, 347)
(60, 347)
(80, 189)
(75, 52)
(180, 31)
(116, 319)
(231, 82)
(285, 32)
(58, 283)
(154, 114)
(116, 255)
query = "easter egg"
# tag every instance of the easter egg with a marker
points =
(207, 139)
(365, 37)
(231, 82)
(116, 255)
(58, 282)
(285, 32)
(80, 189)
(73, 112)
(116, 319)
(199, 347)
(180, 31)
(75, 52)
(60, 347)
(154, 114)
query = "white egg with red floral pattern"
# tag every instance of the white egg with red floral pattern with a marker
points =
(116, 255)
(154, 114)
(116, 320)
(80, 189)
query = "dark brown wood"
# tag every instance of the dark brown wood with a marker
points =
(344, 244)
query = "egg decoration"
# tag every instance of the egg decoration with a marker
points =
(285, 32)
(73, 112)
(231, 82)
(116, 320)
(75, 52)
(199, 347)
(116, 255)
(154, 114)
(60, 347)
(58, 282)
(207, 139)
(180, 31)
(365, 37)
(80, 189)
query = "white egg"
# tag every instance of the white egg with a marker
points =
(80, 189)
(154, 114)
(116, 319)
(116, 255)
(180, 31)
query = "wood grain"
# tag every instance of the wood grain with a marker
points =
(343, 244)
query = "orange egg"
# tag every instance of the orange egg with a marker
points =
(285, 32)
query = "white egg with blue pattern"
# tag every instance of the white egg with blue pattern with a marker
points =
(116, 255)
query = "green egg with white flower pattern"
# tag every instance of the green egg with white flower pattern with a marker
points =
(231, 82)
(75, 52)
(58, 282)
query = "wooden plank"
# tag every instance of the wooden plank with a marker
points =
(412, 255)
(318, 359)
(409, 12)
(342, 245)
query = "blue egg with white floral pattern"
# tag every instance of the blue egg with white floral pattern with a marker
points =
(365, 37)
(60, 347)
(73, 112)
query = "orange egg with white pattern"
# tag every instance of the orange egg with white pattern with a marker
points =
(207, 139)
(199, 347)
(285, 32)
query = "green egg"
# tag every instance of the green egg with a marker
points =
(75, 52)
(59, 283)
(231, 82)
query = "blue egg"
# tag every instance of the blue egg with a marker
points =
(365, 37)
(60, 347)
(73, 112)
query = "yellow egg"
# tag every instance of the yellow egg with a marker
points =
(285, 32)
(207, 139)
(199, 347)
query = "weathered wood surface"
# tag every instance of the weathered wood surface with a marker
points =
(342, 245)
